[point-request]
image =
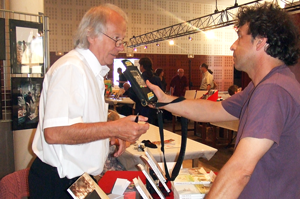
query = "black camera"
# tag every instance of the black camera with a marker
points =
(133, 75)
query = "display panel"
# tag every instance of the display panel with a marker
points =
(2, 39)
(25, 102)
(26, 44)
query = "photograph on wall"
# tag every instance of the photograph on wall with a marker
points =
(27, 54)
(26, 94)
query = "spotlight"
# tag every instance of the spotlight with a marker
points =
(190, 38)
(157, 45)
(145, 47)
(135, 49)
(171, 42)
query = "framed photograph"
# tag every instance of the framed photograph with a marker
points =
(2, 39)
(26, 47)
(26, 94)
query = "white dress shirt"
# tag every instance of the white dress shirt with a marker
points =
(73, 92)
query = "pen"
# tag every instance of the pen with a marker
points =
(137, 118)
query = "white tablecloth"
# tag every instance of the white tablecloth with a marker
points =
(194, 150)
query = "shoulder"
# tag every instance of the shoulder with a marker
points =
(68, 63)
(285, 81)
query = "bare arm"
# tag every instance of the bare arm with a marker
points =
(125, 129)
(236, 173)
(208, 87)
(196, 110)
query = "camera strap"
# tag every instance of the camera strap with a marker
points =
(184, 123)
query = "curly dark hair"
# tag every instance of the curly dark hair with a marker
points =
(270, 21)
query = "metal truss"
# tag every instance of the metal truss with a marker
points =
(216, 20)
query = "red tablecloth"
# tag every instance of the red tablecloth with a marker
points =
(108, 180)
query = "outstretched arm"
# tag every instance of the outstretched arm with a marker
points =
(196, 110)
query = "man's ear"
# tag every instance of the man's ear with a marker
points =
(261, 42)
(91, 39)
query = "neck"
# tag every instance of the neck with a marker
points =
(258, 72)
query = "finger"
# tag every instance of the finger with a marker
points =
(143, 119)
(151, 86)
(121, 148)
(112, 141)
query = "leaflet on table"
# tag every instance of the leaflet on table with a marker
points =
(170, 143)
(194, 176)
(119, 188)
(85, 187)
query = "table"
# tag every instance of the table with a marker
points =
(232, 126)
(194, 150)
(120, 100)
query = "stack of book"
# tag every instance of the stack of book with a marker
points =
(192, 183)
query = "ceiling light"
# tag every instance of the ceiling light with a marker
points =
(157, 45)
(135, 49)
(171, 42)
(129, 54)
(145, 47)
(210, 34)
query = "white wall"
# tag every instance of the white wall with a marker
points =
(144, 16)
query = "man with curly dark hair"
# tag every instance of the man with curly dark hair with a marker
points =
(266, 160)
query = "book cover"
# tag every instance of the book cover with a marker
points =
(86, 188)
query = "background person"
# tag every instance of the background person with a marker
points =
(179, 84)
(207, 82)
(265, 163)
(122, 78)
(233, 89)
(73, 134)
(147, 74)
(160, 73)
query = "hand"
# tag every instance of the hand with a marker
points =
(161, 96)
(121, 146)
(128, 130)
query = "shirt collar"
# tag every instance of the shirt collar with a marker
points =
(93, 62)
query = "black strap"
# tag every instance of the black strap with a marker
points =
(184, 123)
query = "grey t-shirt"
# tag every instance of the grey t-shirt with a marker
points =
(271, 111)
